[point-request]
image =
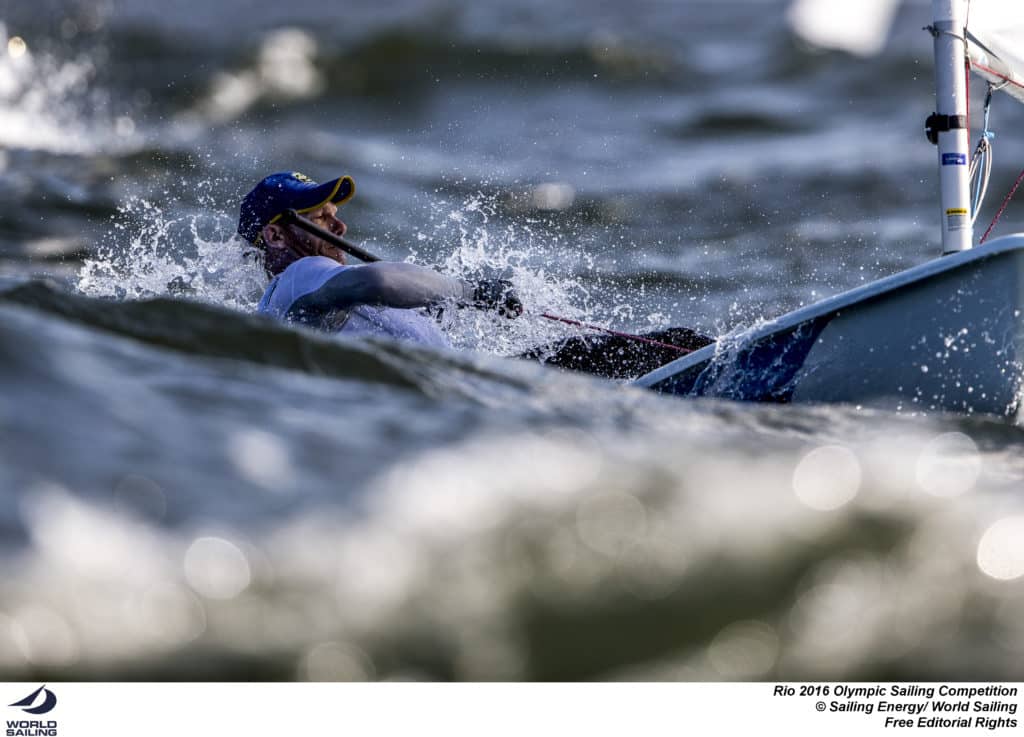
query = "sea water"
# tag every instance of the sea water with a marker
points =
(190, 491)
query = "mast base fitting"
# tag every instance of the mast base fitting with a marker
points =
(936, 124)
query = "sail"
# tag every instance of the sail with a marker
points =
(995, 43)
(859, 28)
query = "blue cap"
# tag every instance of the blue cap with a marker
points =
(288, 190)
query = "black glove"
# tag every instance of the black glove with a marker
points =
(497, 294)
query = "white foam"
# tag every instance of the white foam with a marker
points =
(551, 272)
(48, 104)
(285, 68)
(149, 253)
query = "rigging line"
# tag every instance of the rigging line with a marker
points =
(981, 159)
(630, 336)
(999, 75)
(1006, 201)
(980, 174)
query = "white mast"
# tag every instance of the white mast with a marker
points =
(948, 126)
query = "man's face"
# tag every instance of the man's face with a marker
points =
(327, 218)
(300, 243)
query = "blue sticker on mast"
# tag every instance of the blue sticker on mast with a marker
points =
(954, 159)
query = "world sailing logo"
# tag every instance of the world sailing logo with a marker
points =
(49, 701)
(34, 728)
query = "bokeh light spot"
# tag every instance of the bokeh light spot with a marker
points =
(1001, 549)
(744, 650)
(140, 495)
(827, 478)
(261, 457)
(612, 522)
(16, 47)
(216, 568)
(949, 465)
(336, 661)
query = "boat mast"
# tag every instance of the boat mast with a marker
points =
(948, 125)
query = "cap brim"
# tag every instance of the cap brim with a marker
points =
(338, 191)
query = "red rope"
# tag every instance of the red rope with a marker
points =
(630, 336)
(997, 75)
(1006, 201)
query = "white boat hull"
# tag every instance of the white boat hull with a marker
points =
(947, 335)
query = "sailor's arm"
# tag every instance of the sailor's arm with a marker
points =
(387, 284)
(403, 286)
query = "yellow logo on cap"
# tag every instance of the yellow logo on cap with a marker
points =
(302, 177)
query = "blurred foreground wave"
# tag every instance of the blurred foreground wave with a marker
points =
(356, 511)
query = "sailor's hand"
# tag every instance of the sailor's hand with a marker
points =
(497, 294)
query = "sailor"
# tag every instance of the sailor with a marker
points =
(311, 283)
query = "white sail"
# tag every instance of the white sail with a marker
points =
(859, 28)
(995, 36)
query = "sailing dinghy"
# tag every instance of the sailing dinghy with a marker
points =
(947, 335)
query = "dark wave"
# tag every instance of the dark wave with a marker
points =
(402, 58)
(726, 124)
(207, 331)
(393, 61)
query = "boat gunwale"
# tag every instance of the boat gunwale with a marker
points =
(836, 303)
